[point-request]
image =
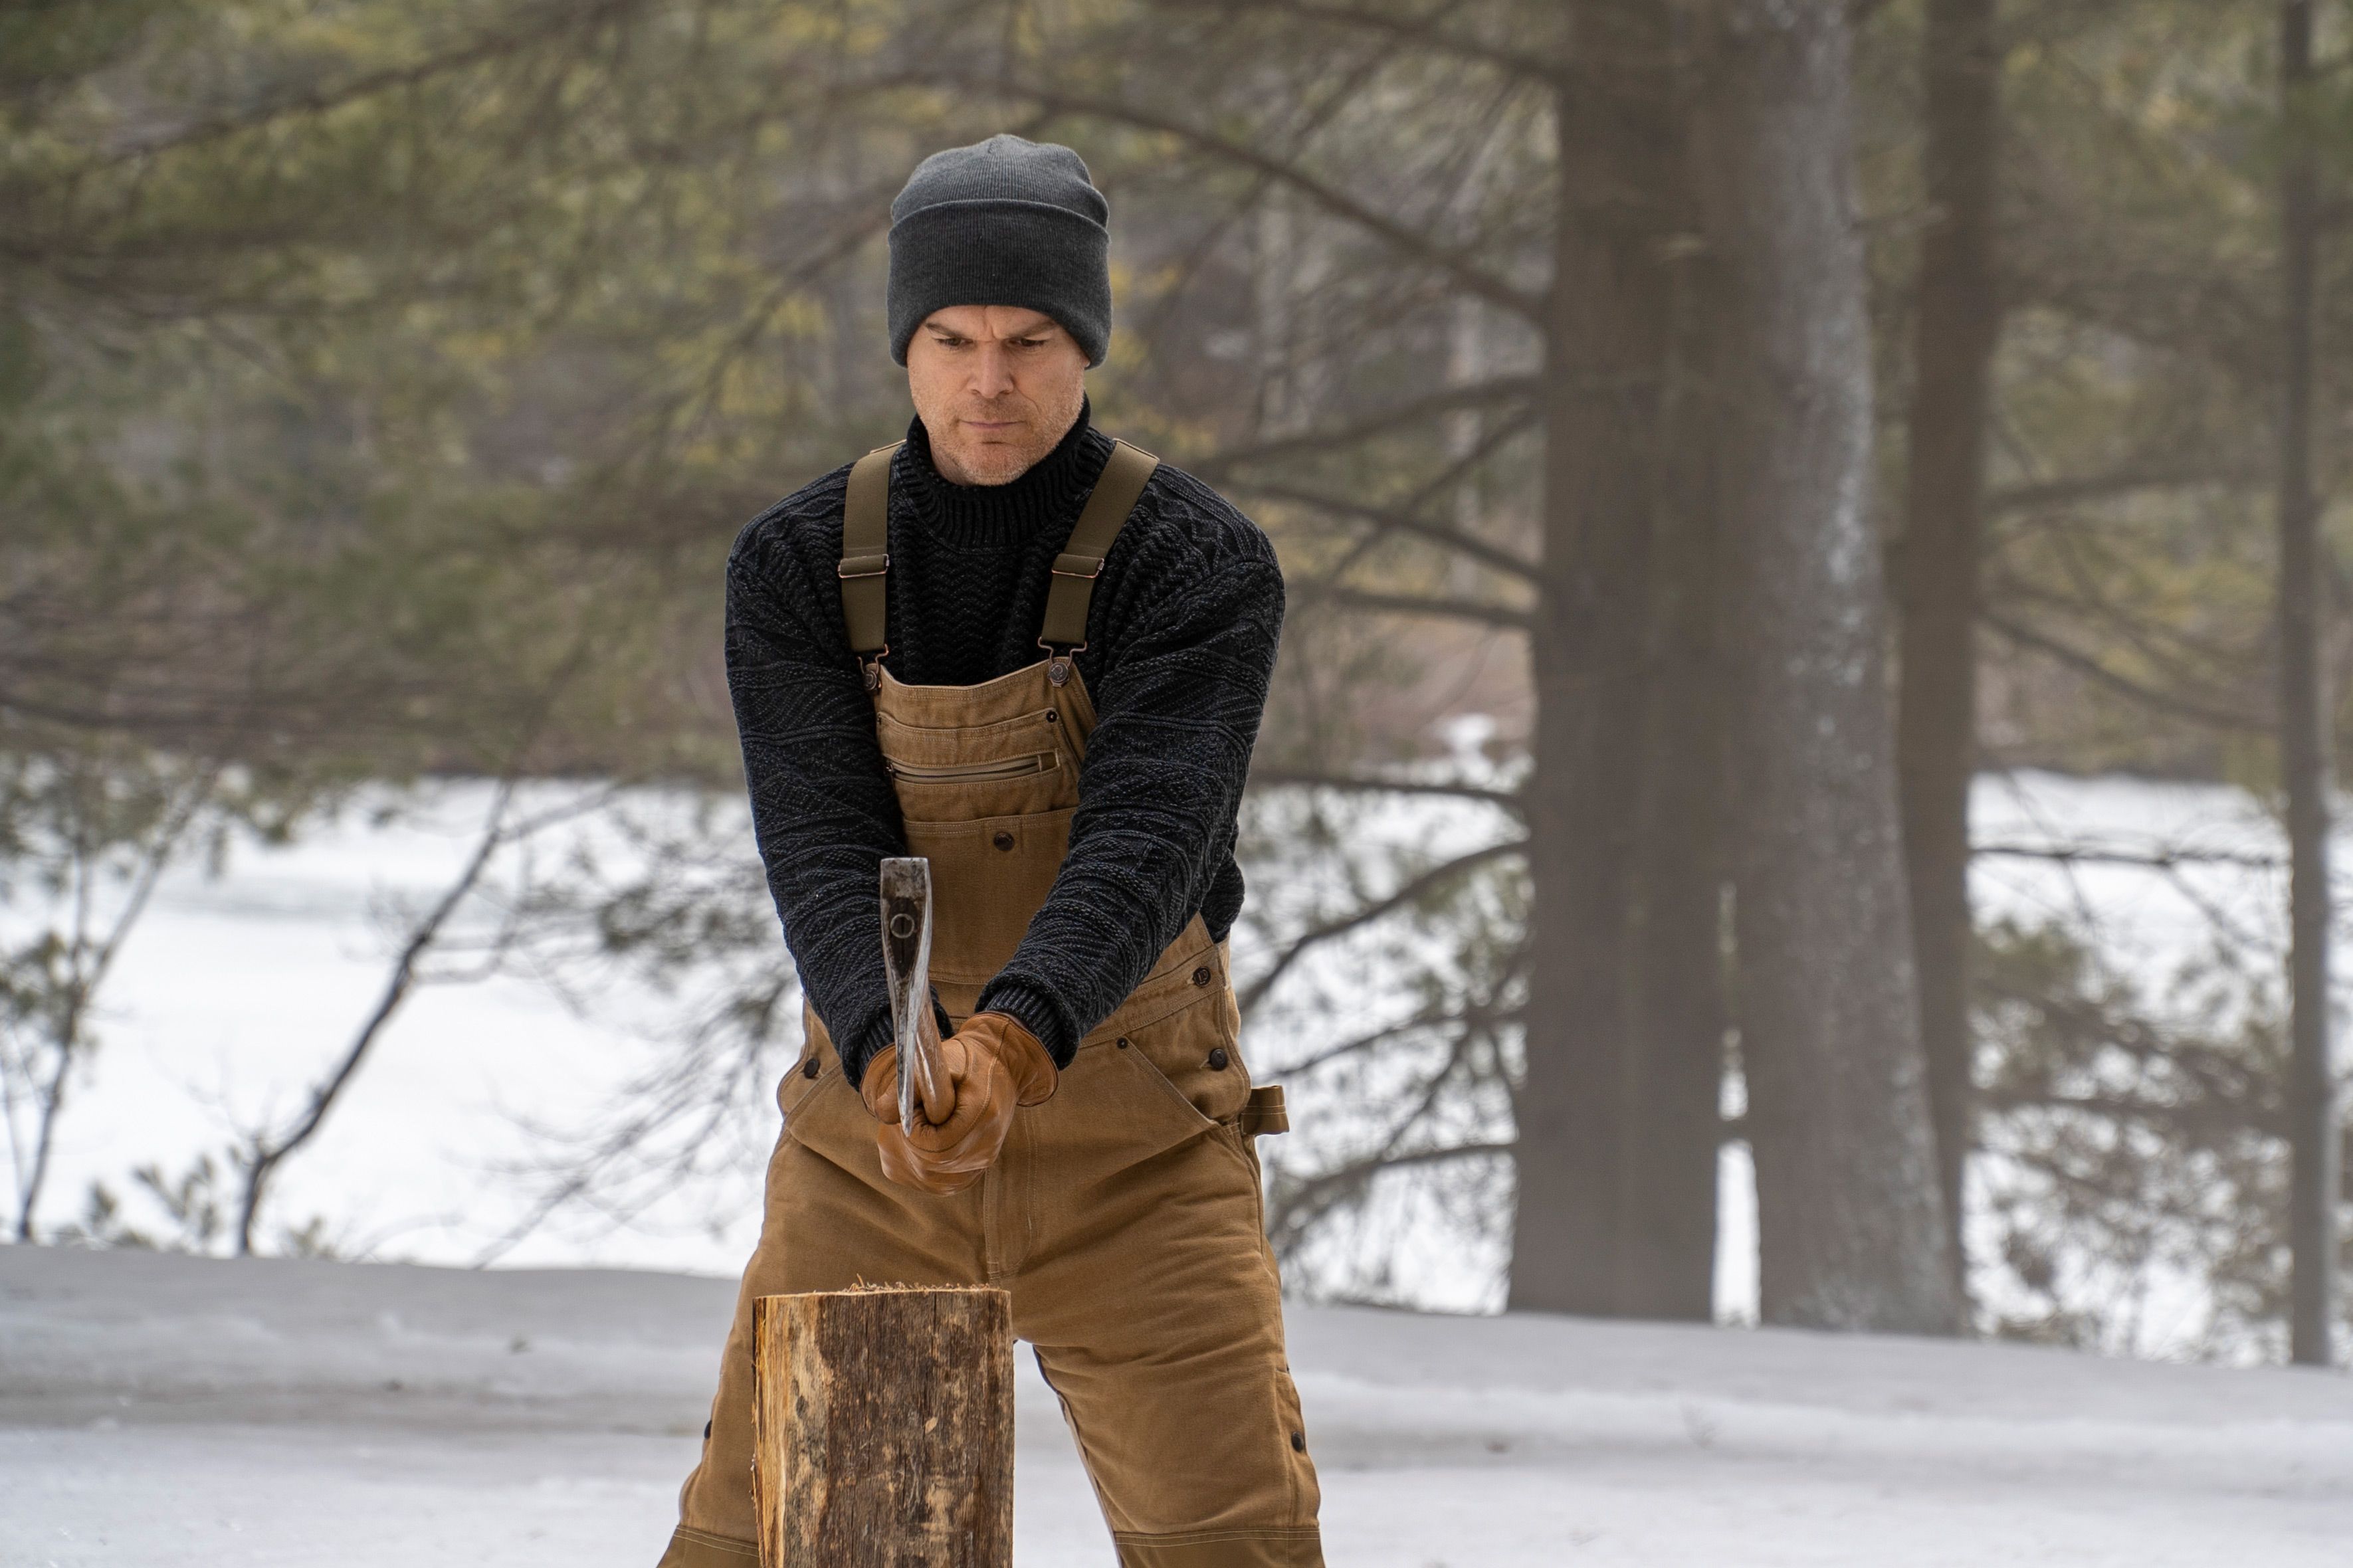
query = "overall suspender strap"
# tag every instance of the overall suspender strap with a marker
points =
(866, 556)
(1073, 583)
(865, 565)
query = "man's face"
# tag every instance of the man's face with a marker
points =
(996, 386)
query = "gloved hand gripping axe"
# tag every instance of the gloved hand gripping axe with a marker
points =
(907, 971)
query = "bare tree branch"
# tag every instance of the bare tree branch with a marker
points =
(544, 20)
(1218, 466)
(1313, 778)
(2044, 495)
(2150, 859)
(1420, 604)
(1311, 1198)
(1424, 30)
(89, 965)
(267, 1150)
(2147, 696)
(1414, 888)
(1476, 549)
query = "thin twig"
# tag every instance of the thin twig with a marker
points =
(1413, 889)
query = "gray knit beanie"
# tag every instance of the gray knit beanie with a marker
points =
(1002, 222)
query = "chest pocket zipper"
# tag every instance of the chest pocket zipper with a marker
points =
(973, 772)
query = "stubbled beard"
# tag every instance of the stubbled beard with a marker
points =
(999, 462)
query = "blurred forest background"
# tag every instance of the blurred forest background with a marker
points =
(1702, 437)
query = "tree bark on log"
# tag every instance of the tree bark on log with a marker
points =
(882, 1428)
(1955, 328)
(1850, 1221)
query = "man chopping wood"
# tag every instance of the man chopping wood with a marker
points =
(1037, 658)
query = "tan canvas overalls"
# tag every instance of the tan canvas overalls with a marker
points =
(1125, 1215)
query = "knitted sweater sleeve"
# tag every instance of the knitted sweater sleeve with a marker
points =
(1190, 650)
(823, 811)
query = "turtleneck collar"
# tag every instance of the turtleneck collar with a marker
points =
(1049, 491)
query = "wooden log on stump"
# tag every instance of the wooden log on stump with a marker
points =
(883, 1428)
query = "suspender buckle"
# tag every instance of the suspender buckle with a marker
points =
(873, 667)
(1069, 565)
(851, 566)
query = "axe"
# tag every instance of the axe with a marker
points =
(907, 971)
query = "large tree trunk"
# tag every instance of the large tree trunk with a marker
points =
(1956, 324)
(1677, 1083)
(2303, 728)
(1602, 1142)
(1850, 1221)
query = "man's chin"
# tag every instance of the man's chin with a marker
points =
(995, 462)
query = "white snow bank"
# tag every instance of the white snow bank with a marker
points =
(173, 1410)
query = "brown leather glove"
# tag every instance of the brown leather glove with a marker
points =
(994, 1065)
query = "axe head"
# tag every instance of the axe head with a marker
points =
(907, 973)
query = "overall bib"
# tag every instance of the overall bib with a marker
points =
(1125, 1215)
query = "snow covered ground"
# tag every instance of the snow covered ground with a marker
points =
(161, 1410)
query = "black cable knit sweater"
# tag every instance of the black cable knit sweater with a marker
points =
(1181, 639)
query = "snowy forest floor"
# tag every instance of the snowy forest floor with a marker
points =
(164, 1410)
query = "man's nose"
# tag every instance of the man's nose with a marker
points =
(992, 376)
